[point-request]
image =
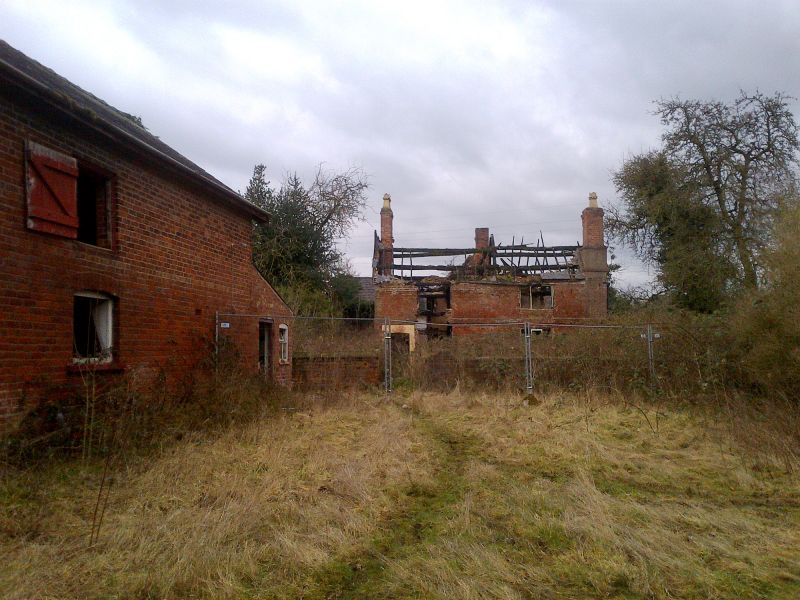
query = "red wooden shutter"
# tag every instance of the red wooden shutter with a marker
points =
(52, 190)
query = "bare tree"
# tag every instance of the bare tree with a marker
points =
(741, 158)
(298, 248)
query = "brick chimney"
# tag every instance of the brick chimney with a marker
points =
(592, 218)
(481, 242)
(387, 240)
(593, 258)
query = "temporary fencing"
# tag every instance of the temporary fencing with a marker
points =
(334, 353)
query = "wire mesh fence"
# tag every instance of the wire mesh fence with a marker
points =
(335, 353)
(329, 355)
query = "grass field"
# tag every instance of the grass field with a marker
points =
(426, 496)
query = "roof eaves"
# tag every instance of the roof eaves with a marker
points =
(97, 122)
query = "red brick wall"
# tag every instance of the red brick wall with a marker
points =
(178, 256)
(476, 302)
(571, 302)
(396, 300)
(596, 291)
(481, 302)
(592, 220)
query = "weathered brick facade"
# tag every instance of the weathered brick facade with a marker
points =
(568, 289)
(179, 252)
(396, 300)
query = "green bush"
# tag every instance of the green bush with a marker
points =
(765, 325)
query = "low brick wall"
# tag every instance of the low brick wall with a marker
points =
(336, 371)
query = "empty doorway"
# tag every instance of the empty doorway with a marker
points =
(265, 347)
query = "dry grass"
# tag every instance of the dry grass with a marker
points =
(257, 508)
(578, 497)
(432, 495)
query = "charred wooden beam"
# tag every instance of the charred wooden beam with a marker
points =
(504, 250)
(514, 255)
(532, 268)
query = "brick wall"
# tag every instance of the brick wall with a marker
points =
(480, 302)
(471, 302)
(396, 300)
(178, 255)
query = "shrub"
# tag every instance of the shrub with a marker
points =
(765, 325)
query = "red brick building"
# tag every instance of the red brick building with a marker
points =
(492, 282)
(117, 254)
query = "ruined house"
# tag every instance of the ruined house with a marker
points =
(433, 291)
(117, 254)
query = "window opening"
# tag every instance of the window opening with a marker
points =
(283, 342)
(92, 327)
(264, 351)
(536, 296)
(93, 207)
(423, 305)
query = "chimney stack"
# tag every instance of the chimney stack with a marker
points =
(481, 243)
(481, 237)
(387, 240)
(592, 218)
(593, 258)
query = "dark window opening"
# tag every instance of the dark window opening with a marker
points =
(93, 208)
(536, 296)
(433, 304)
(401, 344)
(264, 341)
(92, 327)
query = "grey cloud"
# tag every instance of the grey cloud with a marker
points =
(460, 137)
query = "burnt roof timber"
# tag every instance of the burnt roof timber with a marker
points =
(512, 255)
(533, 268)
(417, 280)
(498, 249)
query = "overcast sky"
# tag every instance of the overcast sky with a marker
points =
(503, 114)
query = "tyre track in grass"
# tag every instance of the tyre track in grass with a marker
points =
(412, 523)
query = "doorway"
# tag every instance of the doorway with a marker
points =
(265, 347)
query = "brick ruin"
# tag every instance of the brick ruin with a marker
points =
(492, 282)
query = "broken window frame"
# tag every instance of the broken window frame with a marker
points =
(100, 327)
(543, 295)
(283, 342)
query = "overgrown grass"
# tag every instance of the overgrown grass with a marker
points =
(427, 495)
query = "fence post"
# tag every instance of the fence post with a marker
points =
(387, 355)
(528, 359)
(216, 332)
(651, 336)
